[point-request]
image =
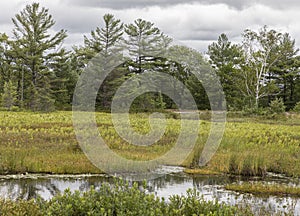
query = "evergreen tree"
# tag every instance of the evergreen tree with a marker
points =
(107, 42)
(36, 47)
(285, 71)
(201, 83)
(64, 80)
(5, 61)
(297, 80)
(146, 43)
(227, 59)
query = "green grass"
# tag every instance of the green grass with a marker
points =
(46, 143)
(265, 189)
(252, 149)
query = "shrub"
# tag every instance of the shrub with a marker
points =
(123, 199)
(19, 207)
(297, 107)
(9, 96)
(248, 111)
(277, 106)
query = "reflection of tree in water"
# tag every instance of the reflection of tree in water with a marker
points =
(96, 182)
(52, 188)
(48, 187)
(26, 188)
(209, 186)
(197, 181)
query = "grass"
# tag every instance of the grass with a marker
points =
(40, 143)
(265, 189)
(46, 143)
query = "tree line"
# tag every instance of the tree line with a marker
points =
(37, 73)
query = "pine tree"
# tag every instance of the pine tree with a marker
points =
(285, 71)
(146, 43)
(107, 40)
(107, 43)
(227, 59)
(64, 80)
(6, 69)
(36, 47)
(147, 46)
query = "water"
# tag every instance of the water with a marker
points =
(211, 187)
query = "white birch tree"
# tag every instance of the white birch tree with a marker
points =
(262, 51)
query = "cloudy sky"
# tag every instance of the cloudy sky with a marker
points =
(194, 23)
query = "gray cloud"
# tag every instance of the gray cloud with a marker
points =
(195, 24)
(123, 4)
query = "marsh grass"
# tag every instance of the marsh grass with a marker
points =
(41, 142)
(200, 171)
(265, 189)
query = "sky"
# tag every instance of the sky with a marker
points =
(194, 23)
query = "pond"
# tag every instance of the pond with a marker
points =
(175, 182)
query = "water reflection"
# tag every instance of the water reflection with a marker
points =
(211, 187)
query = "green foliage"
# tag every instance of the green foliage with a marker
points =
(9, 96)
(6, 68)
(265, 189)
(277, 106)
(194, 204)
(247, 110)
(285, 71)
(126, 198)
(297, 107)
(262, 51)
(145, 43)
(107, 40)
(121, 198)
(227, 59)
(19, 208)
(34, 48)
(64, 80)
(45, 76)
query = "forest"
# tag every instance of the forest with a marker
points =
(259, 74)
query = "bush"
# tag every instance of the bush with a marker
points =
(297, 107)
(248, 111)
(20, 208)
(118, 199)
(121, 198)
(9, 96)
(277, 106)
